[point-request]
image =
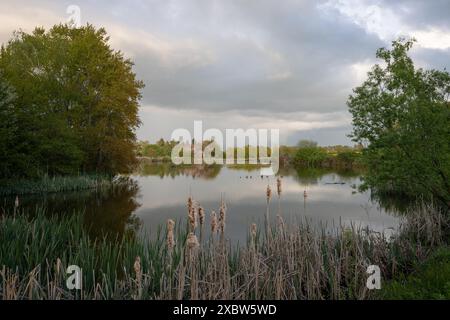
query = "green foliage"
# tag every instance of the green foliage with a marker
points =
(403, 115)
(431, 280)
(307, 144)
(8, 128)
(308, 154)
(161, 149)
(46, 184)
(75, 106)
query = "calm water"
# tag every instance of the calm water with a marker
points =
(159, 192)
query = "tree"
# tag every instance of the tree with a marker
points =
(309, 153)
(402, 115)
(8, 128)
(307, 144)
(77, 100)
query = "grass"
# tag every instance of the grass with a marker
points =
(430, 280)
(295, 262)
(48, 184)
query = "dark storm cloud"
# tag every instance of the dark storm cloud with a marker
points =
(422, 13)
(266, 56)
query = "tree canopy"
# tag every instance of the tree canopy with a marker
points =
(402, 114)
(74, 107)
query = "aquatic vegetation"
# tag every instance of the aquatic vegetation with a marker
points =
(298, 261)
(48, 184)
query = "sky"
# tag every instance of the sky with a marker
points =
(287, 65)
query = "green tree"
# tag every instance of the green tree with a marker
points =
(307, 144)
(8, 129)
(309, 154)
(77, 100)
(402, 115)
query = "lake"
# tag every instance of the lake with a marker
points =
(160, 191)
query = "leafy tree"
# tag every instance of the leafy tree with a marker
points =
(8, 128)
(310, 154)
(402, 115)
(307, 144)
(77, 101)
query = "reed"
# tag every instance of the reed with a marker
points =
(48, 184)
(303, 262)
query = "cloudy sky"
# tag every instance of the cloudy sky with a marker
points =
(250, 64)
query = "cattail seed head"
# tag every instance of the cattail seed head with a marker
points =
(192, 216)
(213, 222)
(137, 267)
(192, 242)
(201, 216)
(170, 236)
(190, 204)
(222, 217)
(268, 193)
(279, 186)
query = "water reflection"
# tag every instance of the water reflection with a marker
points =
(170, 170)
(107, 212)
(159, 192)
(331, 197)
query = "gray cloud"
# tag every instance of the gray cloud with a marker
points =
(248, 62)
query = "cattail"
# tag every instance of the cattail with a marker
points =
(253, 231)
(16, 203)
(137, 267)
(280, 222)
(191, 215)
(201, 216)
(190, 204)
(138, 271)
(170, 237)
(58, 266)
(192, 242)
(213, 222)
(279, 187)
(222, 216)
(268, 193)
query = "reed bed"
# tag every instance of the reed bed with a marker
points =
(301, 261)
(48, 184)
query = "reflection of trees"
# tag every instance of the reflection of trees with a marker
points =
(170, 170)
(106, 212)
(394, 203)
(111, 211)
(313, 175)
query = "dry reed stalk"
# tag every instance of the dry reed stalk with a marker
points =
(255, 262)
(170, 236)
(201, 219)
(138, 272)
(214, 226)
(253, 230)
(192, 246)
(268, 196)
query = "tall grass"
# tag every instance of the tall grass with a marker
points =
(48, 184)
(295, 262)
